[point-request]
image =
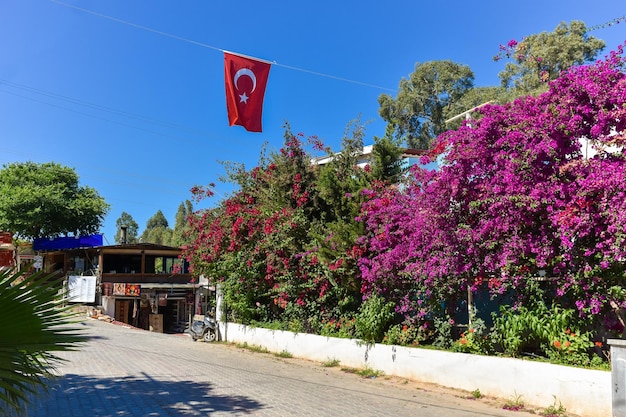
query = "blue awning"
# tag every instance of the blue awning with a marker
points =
(70, 242)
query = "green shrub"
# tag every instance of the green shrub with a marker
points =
(344, 327)
(402, 335)
(443, 332)
(516, 330)
(475, 340)
(555, 333)
(373, 318)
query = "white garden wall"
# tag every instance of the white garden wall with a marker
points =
(580, 391)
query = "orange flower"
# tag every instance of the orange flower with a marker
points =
(567, 344)
(557, 344)
(405, 328)
(599, 344)
(463, 341)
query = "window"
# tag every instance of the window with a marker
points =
(165, 265)
(121, 264)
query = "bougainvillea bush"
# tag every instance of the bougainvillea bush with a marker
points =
(283, 245)
(514, 201)
(516, 207)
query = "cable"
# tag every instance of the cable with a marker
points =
(112, 121)
(87, 104)
(94, 106)
(180, 38)
(114, 111)
(204, 45)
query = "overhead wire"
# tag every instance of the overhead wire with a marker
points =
(182, 39)
(99, 107)
(82, 113)
(204, 45)
(290, 67)
(108, 171)
(118, 112)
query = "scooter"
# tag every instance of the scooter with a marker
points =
(204, 329)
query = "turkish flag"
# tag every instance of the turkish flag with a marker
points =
(245, 80)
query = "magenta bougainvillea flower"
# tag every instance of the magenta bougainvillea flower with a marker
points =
(515, 195)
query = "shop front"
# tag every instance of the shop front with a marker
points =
(164, 308)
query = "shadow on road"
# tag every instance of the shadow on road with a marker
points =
(76, 395)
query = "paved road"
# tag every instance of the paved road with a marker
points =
(129, 372)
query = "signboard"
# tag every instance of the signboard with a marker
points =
(82, 289)
(6, 258)
(107, 289)
(120, 288)
(133, 290)
(6, 238)
(38, 262)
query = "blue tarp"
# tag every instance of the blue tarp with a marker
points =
(58, 243)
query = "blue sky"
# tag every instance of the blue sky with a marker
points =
(131, 93)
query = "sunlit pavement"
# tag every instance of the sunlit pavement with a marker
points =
(129, 372)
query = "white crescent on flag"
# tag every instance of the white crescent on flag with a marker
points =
(249, 73)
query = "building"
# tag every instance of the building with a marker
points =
(145, 285)
(409, 157)
(7, 251)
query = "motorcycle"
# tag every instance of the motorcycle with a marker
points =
(204, 329)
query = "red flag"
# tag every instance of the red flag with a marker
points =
(245, 80)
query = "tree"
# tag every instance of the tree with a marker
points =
(417, 115)
(34, 322)
(284, 245)
(157, 230)
(542, 57)
(132, 228)
(180, 235)
(258, 243)
(158, 220)
(46, 200)
(386, 163)
(341, 177)
(439, 90)
(339, 184)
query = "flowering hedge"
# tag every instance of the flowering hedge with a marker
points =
(514, 197)
(514, 206)
(283, 246)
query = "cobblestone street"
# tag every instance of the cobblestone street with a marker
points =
(129, 372)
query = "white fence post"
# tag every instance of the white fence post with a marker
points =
(618, 376)
(220, 319)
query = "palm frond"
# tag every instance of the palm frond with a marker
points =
(35, 321)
